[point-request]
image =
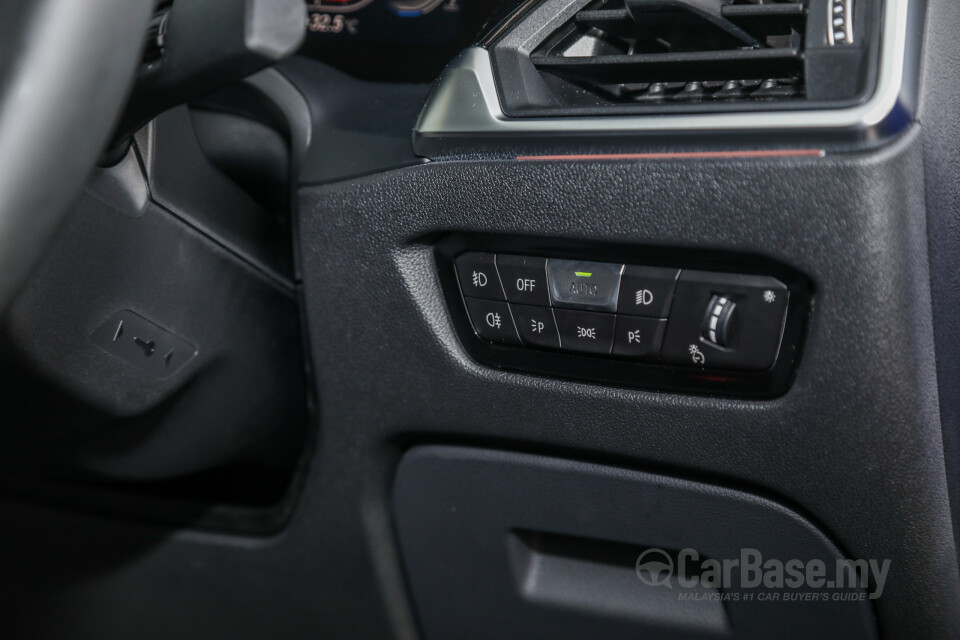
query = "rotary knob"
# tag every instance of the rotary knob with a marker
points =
(718, 320)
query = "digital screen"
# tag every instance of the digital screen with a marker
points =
(398, 21)
(393, 40)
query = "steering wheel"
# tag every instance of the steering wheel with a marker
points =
(66, 67)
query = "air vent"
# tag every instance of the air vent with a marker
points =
(679, 51)
(623, 57)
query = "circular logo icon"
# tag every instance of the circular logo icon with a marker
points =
(654, 567)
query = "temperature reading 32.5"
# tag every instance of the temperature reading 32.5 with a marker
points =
(327, 23)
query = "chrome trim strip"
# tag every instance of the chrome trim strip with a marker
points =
(465, 102)
(848, 23)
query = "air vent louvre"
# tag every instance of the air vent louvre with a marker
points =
(658, 51)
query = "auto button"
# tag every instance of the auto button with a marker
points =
(578, 284)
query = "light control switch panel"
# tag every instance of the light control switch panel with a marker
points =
(642, 325)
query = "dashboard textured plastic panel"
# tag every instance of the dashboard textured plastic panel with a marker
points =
(861, 418)
(481, 532)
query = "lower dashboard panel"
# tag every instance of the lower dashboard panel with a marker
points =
(506, 545)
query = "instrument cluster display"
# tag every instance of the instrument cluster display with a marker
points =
(393, 40)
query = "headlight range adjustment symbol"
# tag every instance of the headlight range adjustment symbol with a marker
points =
(696, 355)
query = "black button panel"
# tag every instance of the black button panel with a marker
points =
(689, 319)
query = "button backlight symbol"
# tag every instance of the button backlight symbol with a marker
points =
(536, 326)
(589, 332)
(644, 297)
(633, 336)
(493, 320)
(479, 279)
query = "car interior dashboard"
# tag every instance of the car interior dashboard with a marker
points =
(480, 319)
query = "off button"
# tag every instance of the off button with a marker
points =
(524, 279)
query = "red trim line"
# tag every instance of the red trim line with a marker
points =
(686, 155)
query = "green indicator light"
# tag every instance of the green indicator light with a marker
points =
(583, 274)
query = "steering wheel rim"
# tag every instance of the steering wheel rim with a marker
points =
(66, 68)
